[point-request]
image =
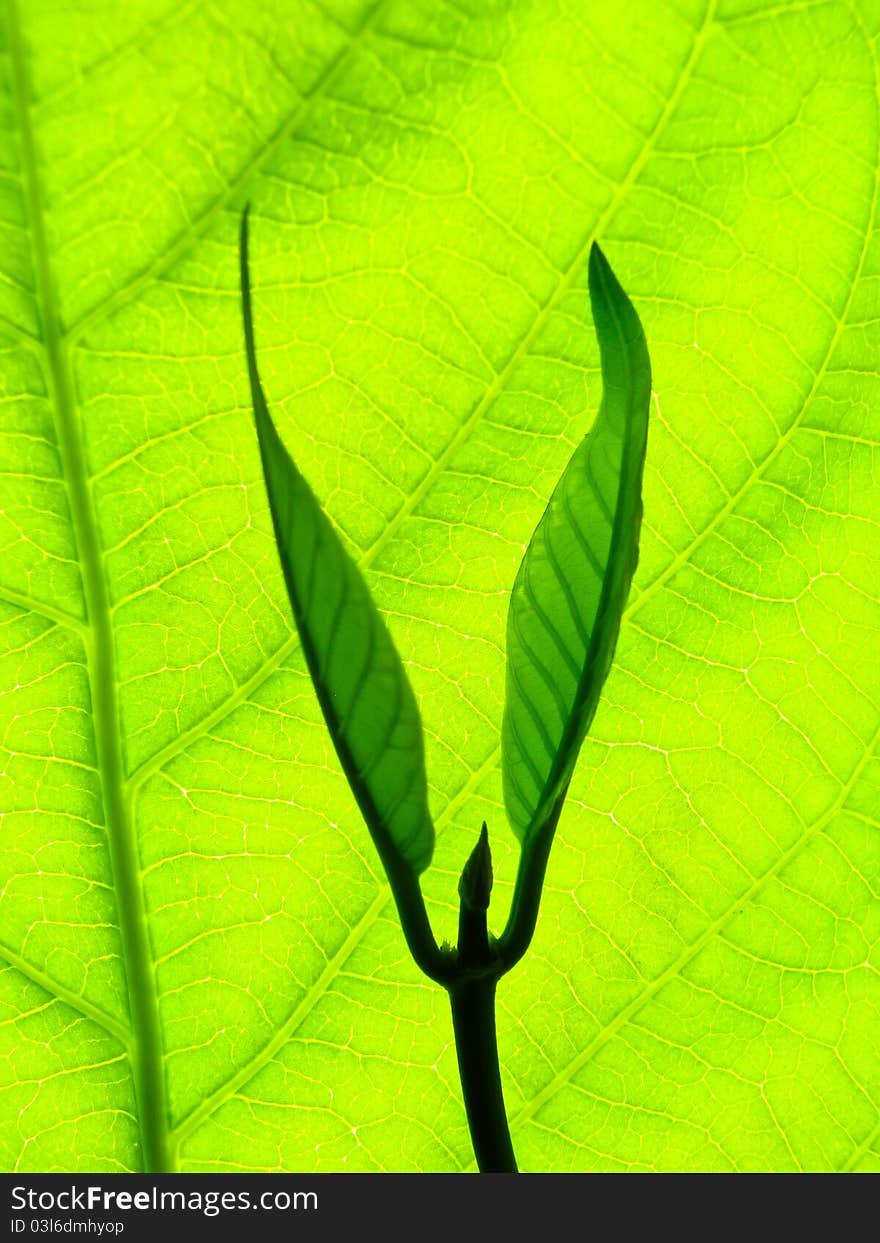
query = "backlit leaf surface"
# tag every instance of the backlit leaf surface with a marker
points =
(200, 955)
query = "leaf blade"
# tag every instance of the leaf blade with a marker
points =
(362, 688)
(572, 584)
(758, 567)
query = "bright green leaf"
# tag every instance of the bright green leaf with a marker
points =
(703, 989)
(571, 589)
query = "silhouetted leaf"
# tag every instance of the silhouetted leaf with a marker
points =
(574, 579)
(361, 685)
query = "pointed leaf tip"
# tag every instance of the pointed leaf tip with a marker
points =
(603, 282)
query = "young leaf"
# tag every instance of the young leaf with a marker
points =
(364, 693)
(574, 579)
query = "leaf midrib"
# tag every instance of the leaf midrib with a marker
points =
(145, 1041)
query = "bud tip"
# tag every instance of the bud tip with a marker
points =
(475, 886)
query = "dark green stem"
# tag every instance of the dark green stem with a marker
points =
(473, 1021)
(407, 893)
(517, 935)
(472, 994)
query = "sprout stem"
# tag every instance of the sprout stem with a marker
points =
(473, 1021)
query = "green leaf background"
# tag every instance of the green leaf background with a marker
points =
(201, 958)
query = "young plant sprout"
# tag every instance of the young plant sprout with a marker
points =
(562, 628)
